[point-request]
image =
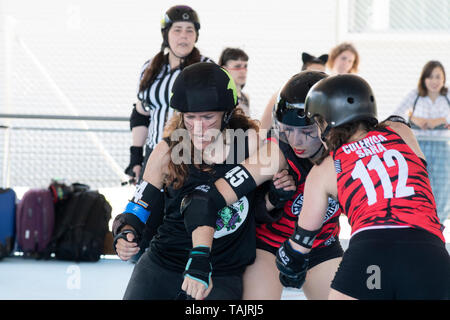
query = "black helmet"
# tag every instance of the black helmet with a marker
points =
(290, 106)
(203, 86)
(342, 99)
(178, 13)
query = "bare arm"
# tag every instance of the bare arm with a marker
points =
(408, 136)
(157, 165)
(262, 166)
(266, 119)
(320, 184)
(433, 123)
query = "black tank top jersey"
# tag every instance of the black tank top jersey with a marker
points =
(274, 234)
(234, 245)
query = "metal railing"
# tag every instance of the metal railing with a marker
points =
(94, 153)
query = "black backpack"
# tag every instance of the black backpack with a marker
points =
(81, 224)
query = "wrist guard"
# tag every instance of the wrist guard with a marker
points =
(138, 119)
(292, 265)
(136, 158)
(199, 265)
(262, 215)
(400, 119)
(278, 197)
(303, 237)
(201, 207)
(125, 218)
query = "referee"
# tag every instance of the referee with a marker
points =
(180, 29)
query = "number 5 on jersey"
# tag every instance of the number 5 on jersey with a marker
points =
(361, 172)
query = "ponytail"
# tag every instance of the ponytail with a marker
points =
(157, 63)
(152, 71)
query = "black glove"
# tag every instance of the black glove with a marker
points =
(136, 158)
(199, 265)
(278, 197)
(292, 265)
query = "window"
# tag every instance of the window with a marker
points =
(373, 16)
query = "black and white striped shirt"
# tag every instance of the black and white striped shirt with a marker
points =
(156, 99)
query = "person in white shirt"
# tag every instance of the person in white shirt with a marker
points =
(428, 106)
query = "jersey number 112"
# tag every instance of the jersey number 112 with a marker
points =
(361, 172)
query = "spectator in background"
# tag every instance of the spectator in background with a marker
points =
(428, 106)
(235, 61)
(343, 58)
(180, 30)
(313, 63)
(310, 63)
(428, 111)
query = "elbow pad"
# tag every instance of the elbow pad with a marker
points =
(138, 119)
(201, 207)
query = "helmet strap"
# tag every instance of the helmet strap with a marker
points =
(325, 132)
(317, 152)
(225, 119)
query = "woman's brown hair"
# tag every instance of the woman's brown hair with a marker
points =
(336, 51)
(177, 173)
(232, 54)
(157, 63)
(340, 135)
(426, 73)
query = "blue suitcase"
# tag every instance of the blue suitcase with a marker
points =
(7, 221)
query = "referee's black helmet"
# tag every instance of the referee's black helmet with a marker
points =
(175, 14)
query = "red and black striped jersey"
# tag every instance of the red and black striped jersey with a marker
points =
(275, 233)
(382, 183)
